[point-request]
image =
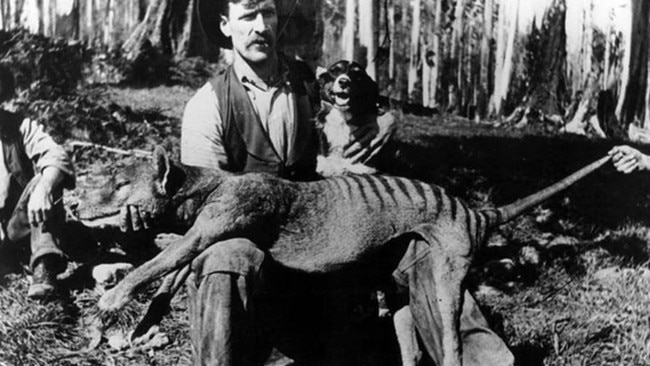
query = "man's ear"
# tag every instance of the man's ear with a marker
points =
(162, 168)
(320, 70)
(224, 25)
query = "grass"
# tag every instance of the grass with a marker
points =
(585, 303)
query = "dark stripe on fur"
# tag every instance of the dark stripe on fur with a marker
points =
(388, 186)
(373, 185)
(453, 207)
(360, 187)
(402, 188)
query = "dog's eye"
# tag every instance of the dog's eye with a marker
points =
(337, 69)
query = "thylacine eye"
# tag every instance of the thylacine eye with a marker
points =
(121, 183)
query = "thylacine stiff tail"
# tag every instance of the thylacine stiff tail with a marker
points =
(503, 214)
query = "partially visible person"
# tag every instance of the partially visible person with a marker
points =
(33, 172)
(627, 159)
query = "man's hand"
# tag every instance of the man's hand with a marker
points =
(369, 140)
(132, 218)
(41, 199)
(39, 207)
(627, 159)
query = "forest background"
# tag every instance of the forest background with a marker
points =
(518, 61)
(484, 92)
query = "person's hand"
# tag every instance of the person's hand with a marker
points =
(133, 218)
(369, 140)
(627, 159)
(39, 206)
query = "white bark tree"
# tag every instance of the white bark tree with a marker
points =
(507, 30)
(367, 37)
(414, 47)
(349, 30)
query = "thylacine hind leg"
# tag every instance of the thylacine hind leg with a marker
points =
(434, 275)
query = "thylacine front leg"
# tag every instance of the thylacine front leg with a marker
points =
(207, 230)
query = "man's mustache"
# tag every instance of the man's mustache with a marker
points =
(262, 38)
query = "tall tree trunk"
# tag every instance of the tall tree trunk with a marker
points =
(457, 87)
(109, 25)
(604, 84)
(508, 24)
(426, 55)
(646, 119)
(631, 102)
(547, 88)
(415, 44)
(349, 29)
(391, 31)
(484, 77)
(367, 38)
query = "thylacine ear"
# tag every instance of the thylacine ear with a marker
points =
(163, 168)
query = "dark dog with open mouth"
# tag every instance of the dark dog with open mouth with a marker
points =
(349, 108)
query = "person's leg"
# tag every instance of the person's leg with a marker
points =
(47, 260)
(220, 287)
(480, 345)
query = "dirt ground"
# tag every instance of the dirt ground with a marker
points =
(566, 284)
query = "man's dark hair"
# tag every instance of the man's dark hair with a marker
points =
(224, 8)
(7, 83)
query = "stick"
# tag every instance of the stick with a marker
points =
(136, 152)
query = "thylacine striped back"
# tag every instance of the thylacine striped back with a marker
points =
(410, 202)
(386, 192)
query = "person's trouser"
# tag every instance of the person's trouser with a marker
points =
(44, 238)
(481, 346)
(229, 305)
(220, 285)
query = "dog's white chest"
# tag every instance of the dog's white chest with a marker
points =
(337, 132)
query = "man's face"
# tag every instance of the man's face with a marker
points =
(252, 26)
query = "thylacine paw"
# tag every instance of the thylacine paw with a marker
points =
(114, 299)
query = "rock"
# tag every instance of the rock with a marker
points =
(487, 291)
(118, 342)
(108, 275)
(529, 256)
(607, 274)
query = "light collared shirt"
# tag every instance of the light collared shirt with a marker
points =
(41, 149)
(202, 127)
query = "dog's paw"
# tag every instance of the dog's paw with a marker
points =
(360, 169)
(114, 299)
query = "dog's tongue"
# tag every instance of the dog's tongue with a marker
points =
(341, 99)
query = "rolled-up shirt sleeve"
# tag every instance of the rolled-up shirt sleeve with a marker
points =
(202, 131)
(44, 152)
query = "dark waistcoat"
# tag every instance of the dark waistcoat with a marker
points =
(247, 146)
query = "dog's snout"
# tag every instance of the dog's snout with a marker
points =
(344, 82)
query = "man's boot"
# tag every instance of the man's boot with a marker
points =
(43, 278)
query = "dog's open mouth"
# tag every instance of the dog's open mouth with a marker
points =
(340, 99)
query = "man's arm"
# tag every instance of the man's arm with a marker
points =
(54, 165)
(368, 141)
(627, 159)
(202, 131)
